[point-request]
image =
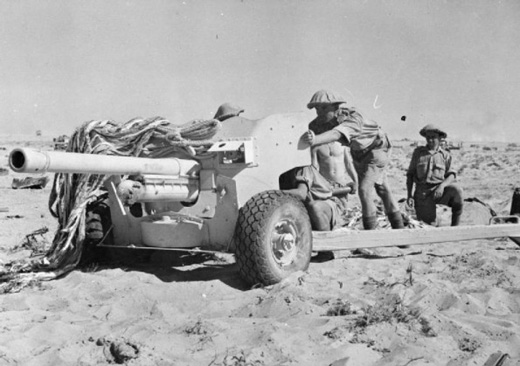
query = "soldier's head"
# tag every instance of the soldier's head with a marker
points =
(326, 104)
(433, 136)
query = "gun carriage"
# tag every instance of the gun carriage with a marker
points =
(226, 199)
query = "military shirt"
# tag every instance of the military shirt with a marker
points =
(359, 132)
(430, 167)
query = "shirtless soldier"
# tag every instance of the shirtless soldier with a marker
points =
(324, 186)
(332, 159)
(369, 148)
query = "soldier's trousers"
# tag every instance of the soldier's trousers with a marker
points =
(371, 171)
(425, 204)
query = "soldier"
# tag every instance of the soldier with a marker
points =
(332, 159)
(323, 201)
(433, 175)
(369, 147)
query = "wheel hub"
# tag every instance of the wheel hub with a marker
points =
(284, 243)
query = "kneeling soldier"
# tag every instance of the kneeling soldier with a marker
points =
(434, 177)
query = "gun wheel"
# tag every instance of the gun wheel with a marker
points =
(273, 238)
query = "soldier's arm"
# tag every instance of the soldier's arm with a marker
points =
(314, 158)
(410, 174)
(326, 137)
(339, 133)
(449, 168)
(439, 191)
(450, 174)
(301, 191)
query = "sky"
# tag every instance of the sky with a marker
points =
(451, 63)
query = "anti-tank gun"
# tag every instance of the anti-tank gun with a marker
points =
(228, 199)
(224, 199)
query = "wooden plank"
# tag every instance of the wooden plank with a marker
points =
(345, 239)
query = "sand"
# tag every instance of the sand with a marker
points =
(454, 303)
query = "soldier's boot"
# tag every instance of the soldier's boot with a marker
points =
(456, 213)
(396, 220)
(370, 222)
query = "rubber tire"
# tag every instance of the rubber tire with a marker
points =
(256, 223)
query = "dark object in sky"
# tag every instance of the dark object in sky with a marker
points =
(403, 118)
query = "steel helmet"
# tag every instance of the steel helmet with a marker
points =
(227, 110)
(325, 97)
(433, 128)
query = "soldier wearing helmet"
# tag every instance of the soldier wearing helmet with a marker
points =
(369, 148)
(333, 162)
(432, 173)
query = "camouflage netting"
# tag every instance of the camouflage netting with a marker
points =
(72, 193)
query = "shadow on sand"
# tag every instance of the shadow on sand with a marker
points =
(172, 266)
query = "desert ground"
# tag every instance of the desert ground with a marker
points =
(454, 303)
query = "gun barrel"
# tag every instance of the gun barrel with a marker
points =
(34, 161)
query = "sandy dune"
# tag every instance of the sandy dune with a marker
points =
(440, 304)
